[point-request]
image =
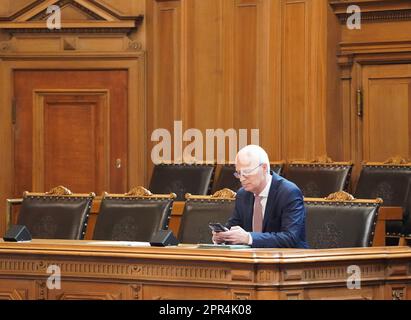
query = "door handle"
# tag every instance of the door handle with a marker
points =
(118, 163)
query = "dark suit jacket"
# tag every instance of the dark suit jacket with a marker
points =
(284, 217)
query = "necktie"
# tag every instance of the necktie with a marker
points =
(258, 215)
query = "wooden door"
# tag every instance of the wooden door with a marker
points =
(386, 122)
(70, 129)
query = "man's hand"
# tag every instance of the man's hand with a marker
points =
(218, 237)
(236, 235)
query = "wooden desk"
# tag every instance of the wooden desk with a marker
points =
(98, 270)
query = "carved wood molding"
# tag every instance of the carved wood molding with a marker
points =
(98, 18)
(59, 191)
(115, 270)
(396, 160)
(81, 295)
(140, 192)
(373, 10)
(224, 193)
(14, 294)
(340, 196)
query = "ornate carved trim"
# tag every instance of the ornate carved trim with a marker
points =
(140, 192)
(64, 3)
(340, 273)
(396, 160)
(378, 16)
(373, 10)
(320, 161)
(224, 193)
(136, 291)
(117, 270)
(41, 290)
(59, 191)
(241, 295)
(104, 19)
(398, 293)
(340, 196)
(390, 163)
(89, 296)
(5, 46)
(135, 46)
(15, 294)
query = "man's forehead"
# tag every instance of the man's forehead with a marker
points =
(246, 160)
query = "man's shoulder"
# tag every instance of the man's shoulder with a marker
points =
(284, 185)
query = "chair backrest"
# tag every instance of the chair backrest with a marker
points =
(227, 180)
(340, 221)
(406, 229)
(389, 182)
(199, 211)
(181, 179)
(57, 214)
(134, 216)
(318, 180)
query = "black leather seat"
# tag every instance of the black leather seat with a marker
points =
(227, 180)
(389, 182)
(340, 224)
(406, 230)
(57, 214)
(135, 216)
(318, 180)
(199, 211)
(181, 179)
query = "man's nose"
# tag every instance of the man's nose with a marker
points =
(242, 178)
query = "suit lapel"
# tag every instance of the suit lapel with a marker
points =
(250, 210)
(270, 201)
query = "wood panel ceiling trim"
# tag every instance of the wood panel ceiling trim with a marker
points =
(374, 10)
(97, 18)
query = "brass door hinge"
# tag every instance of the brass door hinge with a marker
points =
(359, 103)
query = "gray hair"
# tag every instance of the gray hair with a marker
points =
(254, 151)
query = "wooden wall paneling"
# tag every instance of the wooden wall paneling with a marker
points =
(316, 81)
(6, 150)
(133, 62)
(89, 150)
(346, 66)
(387, 112)
(164, 69)
(335, 123)
(271, 113)
(295, 73)
(246, 110)
(204, 75)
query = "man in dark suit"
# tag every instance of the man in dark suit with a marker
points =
(269, 210)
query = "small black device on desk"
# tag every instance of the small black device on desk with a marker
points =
(217, 227)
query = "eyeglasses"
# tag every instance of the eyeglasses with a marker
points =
(245, 172)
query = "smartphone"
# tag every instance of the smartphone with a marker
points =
(217, 227)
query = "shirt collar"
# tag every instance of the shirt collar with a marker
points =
(266, 190)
